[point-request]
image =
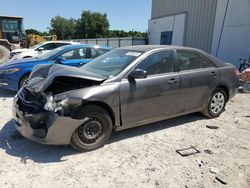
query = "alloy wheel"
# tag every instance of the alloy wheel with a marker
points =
(217, 103)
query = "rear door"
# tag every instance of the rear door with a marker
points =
(198, 76)
(152, 98)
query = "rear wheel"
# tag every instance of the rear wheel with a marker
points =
(95, 131)
(216, 103)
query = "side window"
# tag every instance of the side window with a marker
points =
(190, 60)
(68, 55)
(49, 46)
(83, 52)
(79, 53)
(97, 52)
(60, 44)
(157, 63)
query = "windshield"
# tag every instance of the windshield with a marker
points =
(50, 53)
(111, 63)
(10, 26)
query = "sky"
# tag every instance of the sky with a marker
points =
(122, 14)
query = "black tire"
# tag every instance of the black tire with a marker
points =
(22, 80)
(99, 121)
(210, 109)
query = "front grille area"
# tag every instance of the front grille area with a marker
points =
(17, 124)
(29, 102)
(31, 105)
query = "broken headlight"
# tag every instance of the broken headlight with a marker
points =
(55, 106)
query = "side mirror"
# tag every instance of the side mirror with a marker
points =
(137, 74)
(59, 60)
(40, 49)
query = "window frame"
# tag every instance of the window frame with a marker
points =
(66, 51)
(42, 46)
(60, 44)
(196, 53)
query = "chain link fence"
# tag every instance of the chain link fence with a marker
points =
(114, 42)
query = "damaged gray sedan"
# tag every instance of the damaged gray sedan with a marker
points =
(124, 88)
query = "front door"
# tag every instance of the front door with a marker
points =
(152, 98)
(76, 57)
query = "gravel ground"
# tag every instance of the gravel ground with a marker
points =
(140, 157)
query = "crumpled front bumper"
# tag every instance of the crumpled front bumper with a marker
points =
(45, 127)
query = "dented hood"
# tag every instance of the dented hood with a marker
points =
(42, 76)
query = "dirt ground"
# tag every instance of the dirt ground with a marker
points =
(140, 157)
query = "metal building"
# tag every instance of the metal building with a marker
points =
(219, 27)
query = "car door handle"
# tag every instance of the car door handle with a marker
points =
(81, 63)
(213, 74)
(172, 81)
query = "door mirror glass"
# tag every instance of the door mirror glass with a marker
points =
(59, 60)
(137, 74)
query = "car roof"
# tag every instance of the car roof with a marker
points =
(146, 48)
(84, 45)
(59, 41)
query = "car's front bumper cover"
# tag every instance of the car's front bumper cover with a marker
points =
(8, 83)
(44, 127)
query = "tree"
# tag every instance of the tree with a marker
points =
(62, 27)
(122, 33)
(32, 31)
(92, 25)
(89, 25)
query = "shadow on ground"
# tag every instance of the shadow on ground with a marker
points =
(6, 93)
(15, 145)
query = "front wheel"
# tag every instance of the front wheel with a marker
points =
(95, 131)
(23, 80)
(216, 103)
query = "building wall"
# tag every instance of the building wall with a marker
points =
(231, 35)
(200, 16)
(175, 23)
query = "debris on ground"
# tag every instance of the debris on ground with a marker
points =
(187, 151)
(221, 180)
(247, 116)
(207, 151)
(199, 162)
(213, 170)
(211, 127)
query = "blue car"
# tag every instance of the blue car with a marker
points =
(14, 73)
